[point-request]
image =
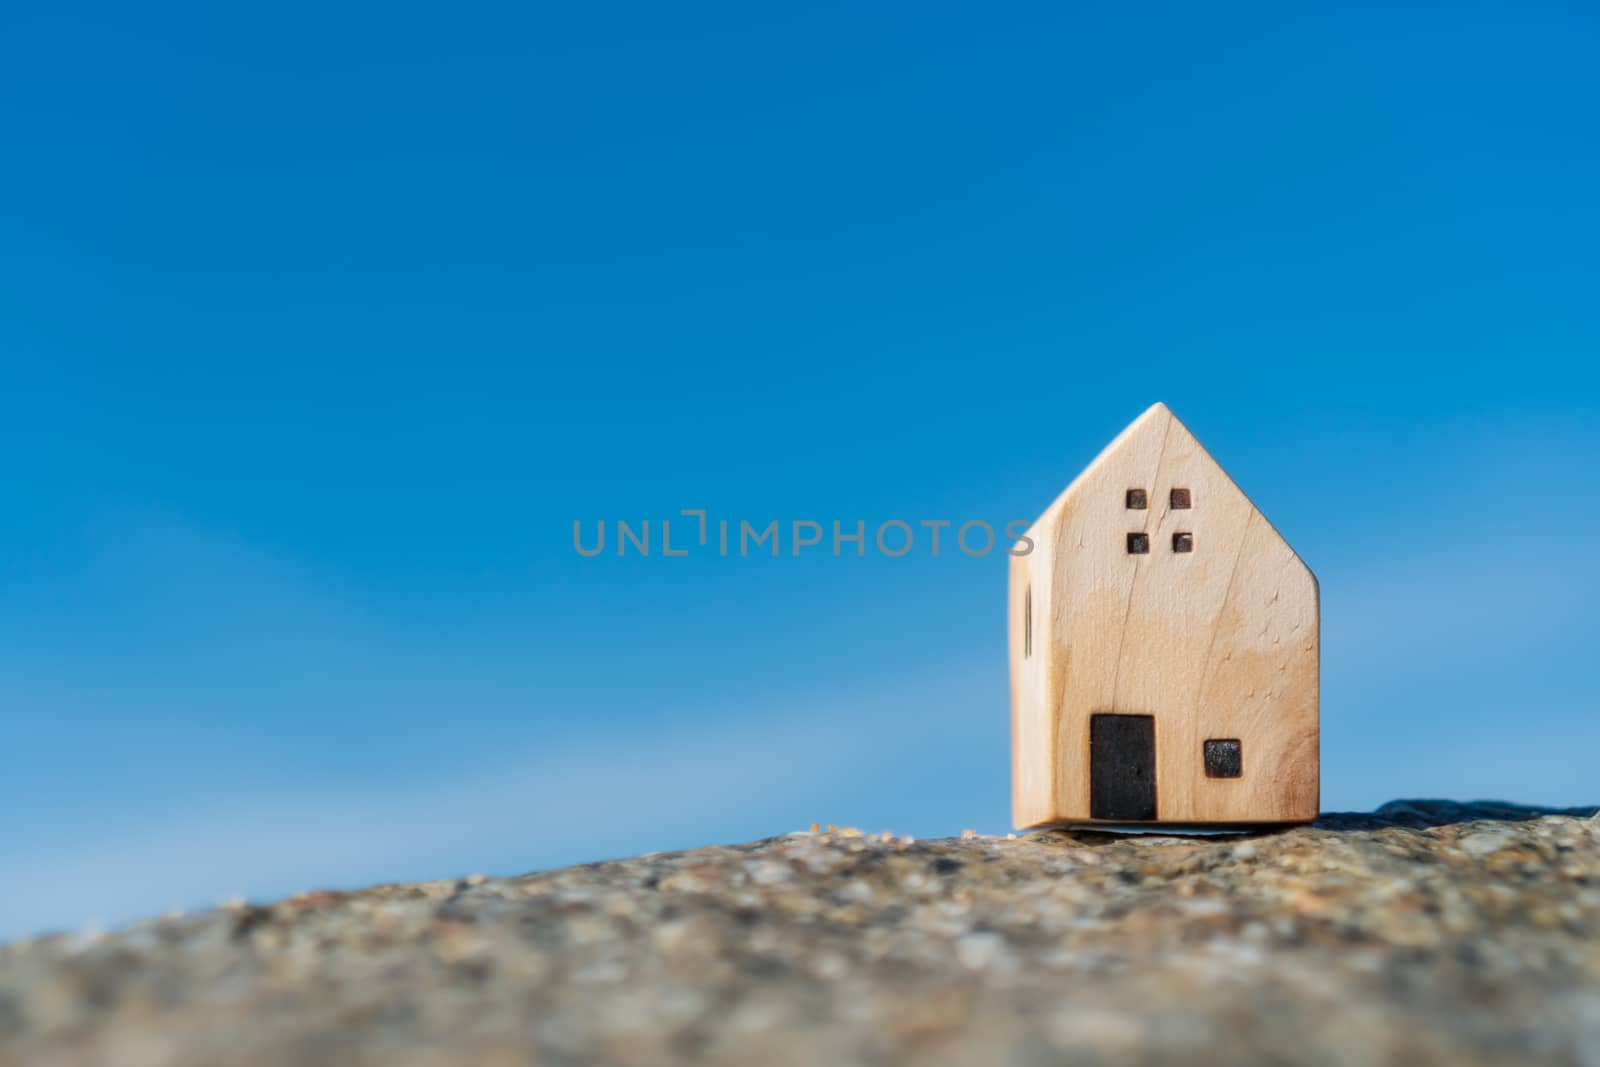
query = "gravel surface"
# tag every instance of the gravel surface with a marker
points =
(1426, 933)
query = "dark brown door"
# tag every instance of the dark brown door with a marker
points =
(1122, 767)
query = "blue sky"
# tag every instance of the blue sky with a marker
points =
(322, 324)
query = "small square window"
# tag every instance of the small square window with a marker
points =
(1183, 542)
(1223, 758)
(1137, 500)
(1138, 544)
(1180, 499)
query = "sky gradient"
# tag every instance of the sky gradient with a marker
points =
(322, 324)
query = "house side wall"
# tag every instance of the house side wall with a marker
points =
(1033, 745)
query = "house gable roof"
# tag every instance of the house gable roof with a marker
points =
(1153, 450)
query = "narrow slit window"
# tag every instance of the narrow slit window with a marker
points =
(1138, 544)
(1137, 500)
(1181, 501)
(1027, 623)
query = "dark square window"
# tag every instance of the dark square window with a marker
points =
(1137, 500)
(1183, 542)
(1180, 499)
(1138, 544)
(1223, 758)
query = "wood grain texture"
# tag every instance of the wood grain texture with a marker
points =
(1214, 632)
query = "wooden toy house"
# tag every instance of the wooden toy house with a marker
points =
(1164, 648)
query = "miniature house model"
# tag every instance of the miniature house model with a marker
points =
(1164, 648)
